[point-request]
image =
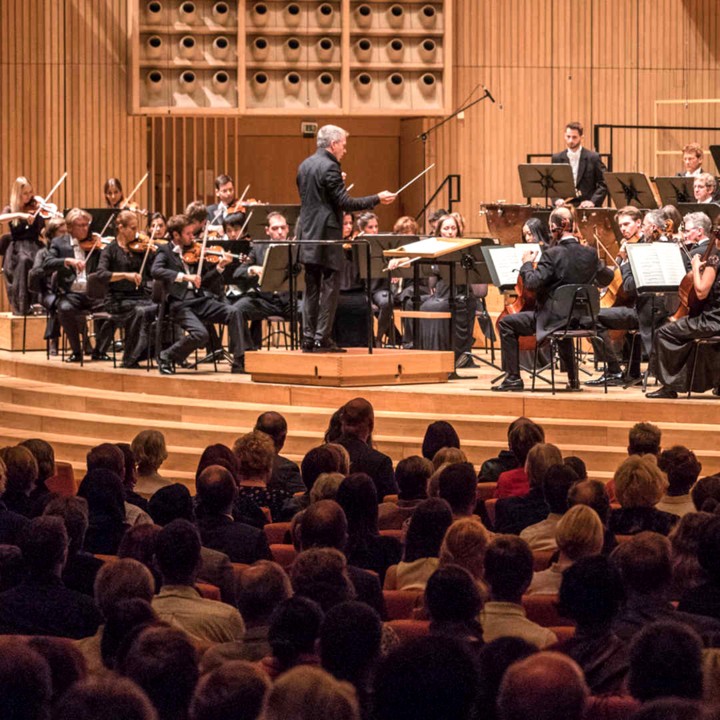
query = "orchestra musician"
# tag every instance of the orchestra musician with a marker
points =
(26, 224)
(536, 231)
(113, 192)
(566, 263)
(692, 160)
(157, 226)
(119, 268)
(73, 257)
(190, 304)
(704, 188)
(696, 228)
(225, 195)
(323, 199)
(587, 168)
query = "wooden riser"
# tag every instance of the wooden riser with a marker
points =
(11, 332)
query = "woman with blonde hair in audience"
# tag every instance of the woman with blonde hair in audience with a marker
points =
(326, 486)
(448, 455)
(639, 487)
(579, 533)
(464, 544)
(343, 457)
(148, 447)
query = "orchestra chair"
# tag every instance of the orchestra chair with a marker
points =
(400, 604)
(543, 610)
(63, 481)
(97, 290)
(580, 306)
(283, 554)
(276, 331)
(410, 629)
(697, 344)
(276, 532)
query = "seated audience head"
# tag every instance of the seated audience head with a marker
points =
(357, 496)
(543, 686)
(317, 461)
(21, 470)
(465, 544)
(341, 455)
(439, 434)
(216, 490)
(639, 482)
(705, 493)
(357, 419)
(66, 662)
(25, 682)
(665, 661)
(448, 456)
(412, 475)
(556, 485)
(524, 435)
(164, 663)
(508, 568)
(321, 574)
(308, 693)
(218, 454)
(140, 543)
(106, 456)
(323, 524)
(123, 623)
(233, 691)
(644, 438)
(644, 564)
(426, 530)
(685, 543)
(103, 491)
(326, 486)
(708, 550)
(178, 553)
(457, 485)
(579, 533)
(74, 513)
(681, 467)
(540, 458)
(44, 545)
(294, 630)
(577, 465)
(255, 454)
(130, 477)
(171, 502)
(592, 493)
(591, 592)
(429, 678)
(350, 639)
(260, 589)
(334, 430)
(124, 579)
(93, 698)
(44, 456)
(452, 596)
(274, 425)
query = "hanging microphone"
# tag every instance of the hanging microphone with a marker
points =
(487, 94)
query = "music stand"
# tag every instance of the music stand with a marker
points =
(712, 210)
(378, 245)
(256, 227)
(675, 190)
(715, 152)
(549, 181)
(275, 273)
(100, 217)
(630, 188)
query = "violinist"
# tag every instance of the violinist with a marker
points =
(704, 188)
(26, 224)
(157, 226)
(120, 267)
(73, 257)
(113, 192)
(696, 230)
(674, 347)
(190, 305)
(568, 262)
(226, 199)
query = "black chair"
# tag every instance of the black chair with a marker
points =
(579, 305)
(697, 344)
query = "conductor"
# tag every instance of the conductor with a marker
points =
(323, 201)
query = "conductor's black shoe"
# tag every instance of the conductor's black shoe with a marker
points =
(165, 366)
(308, 346)
(327, 346)
(509, 385)
(664, 393)
(74, 358)
(613, 380)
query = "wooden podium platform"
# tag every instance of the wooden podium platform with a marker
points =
(355, 368)
(11, 332)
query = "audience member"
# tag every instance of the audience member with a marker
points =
(705, 493)
(11, 523)
(178, 602)
(326, 487)
(140, 543)
(639, 486)
(113, 698)
(457, 484)
(233, 691)
(45, 457)
(644, 438)
(21, 473)
(590, 594)
(318, 460)
(594, 494)
(514, 514)
(66, 662)
(578, 534)
(682, 469)
(425, 534)
(123, 623)
(544, 686)
(102, 489)
(521, 439)
(148, 447)
(285, 473)
(260, 589)
(438, 435)
(704, 599)
(491, 469)
(465, 544)
(25, 682)
(130, 477)
(685, 543)
(556, 485)
(578, 465)
(508, 572)
(321, 575)
(342, 456)
(412, 475)
(673, 708)
(358, 422)
(366, 548)
(41, 604)
(448, 456)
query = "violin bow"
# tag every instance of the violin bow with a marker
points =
(125, 202)
(151, 244)
(596, 236)
(50, 194)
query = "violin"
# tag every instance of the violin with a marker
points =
(133, 207)
(242, 205)
(143, 242)
(212, 254)
(93, 241)
(46, 210)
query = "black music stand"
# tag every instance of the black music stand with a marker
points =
(712, 210)
(101, 219)
(715, 152)
(554, 181)
(675, 190)
(256, 226)
(630, 188)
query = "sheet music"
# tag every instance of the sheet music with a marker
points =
(522, 248)
(656, 267)
(504, 262)
(428, 245)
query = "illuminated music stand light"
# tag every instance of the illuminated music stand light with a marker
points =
(550, 181)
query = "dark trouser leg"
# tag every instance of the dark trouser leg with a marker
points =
(621, 318)
(329, 292)
(311, 301)
(383, 300)
(196, 334)
(71, 314)
(512, 327)
(464, 323)
(211, 310)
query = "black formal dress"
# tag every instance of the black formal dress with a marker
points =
(18, 261)
(350, 328)
(590, 181)
(323, 200)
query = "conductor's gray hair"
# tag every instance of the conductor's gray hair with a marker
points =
(328, 134)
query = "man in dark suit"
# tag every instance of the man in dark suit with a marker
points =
(323, 198)
(242, 543)
(566, 263)
(587, 167)
(358, 422)
(285, 473)
(190, 305)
